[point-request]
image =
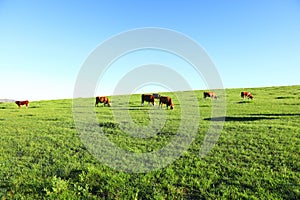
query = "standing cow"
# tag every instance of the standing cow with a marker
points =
(21, 103)
(167, 101)
(210, 94)
(247, 94)
(103, 100)
(149, 98)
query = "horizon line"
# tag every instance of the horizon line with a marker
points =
(9, 100)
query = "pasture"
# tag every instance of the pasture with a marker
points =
(257, 155)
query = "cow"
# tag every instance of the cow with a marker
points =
(149, 98)
(247, 94)
(21, 103)
(166, 100)
(210, 94)
(103, 100)
(156, 95)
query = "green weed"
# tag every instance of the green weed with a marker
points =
(257, 155)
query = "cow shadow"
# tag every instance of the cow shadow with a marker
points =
(108, 125)
(26, 115)
(285, 97)
(238, 119)
(34, 107)
(204, 106)
(133, 108)
(245, 101)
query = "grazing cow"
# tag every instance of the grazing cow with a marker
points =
(21, 103)
(103, 100)
(167, 101)
(210, 94)
(156, 96)
(149, 98)
(246, 94)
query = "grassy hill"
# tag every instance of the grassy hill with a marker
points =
(257, 155)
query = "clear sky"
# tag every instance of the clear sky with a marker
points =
(43, 44)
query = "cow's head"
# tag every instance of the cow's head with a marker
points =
(171, 105)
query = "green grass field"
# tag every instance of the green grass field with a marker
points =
(257, 155)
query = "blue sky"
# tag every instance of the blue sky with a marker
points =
(44, 43)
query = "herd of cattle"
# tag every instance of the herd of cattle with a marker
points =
(145, 97)
(213, 95)
(162, 100)
(150, 98)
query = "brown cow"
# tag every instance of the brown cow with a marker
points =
(210, 94)
(103, 100)
(149, 98)
(21, 103)
(246, 94)
(167, 101)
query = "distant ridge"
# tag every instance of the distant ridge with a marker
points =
(6, 100)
